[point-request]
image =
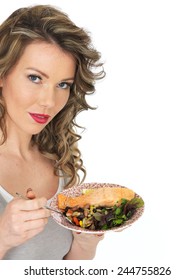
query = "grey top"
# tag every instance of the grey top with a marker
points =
(51, 244)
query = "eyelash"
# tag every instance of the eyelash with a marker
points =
(33, 78)
(68, 85)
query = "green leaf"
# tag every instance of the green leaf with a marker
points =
(117, 222)
(98, 216)
(137, 201)
(118, 211)
(123, 201)
(129, 214)
(104, 227)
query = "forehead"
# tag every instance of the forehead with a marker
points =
(48, 57)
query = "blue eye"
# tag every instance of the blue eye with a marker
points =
(34, 78)
(64, 85)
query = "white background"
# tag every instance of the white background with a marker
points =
(142, 134)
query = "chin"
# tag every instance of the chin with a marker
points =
(35, 130)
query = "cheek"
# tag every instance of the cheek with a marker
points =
(16, 95)
(61, 102)
(17, 99)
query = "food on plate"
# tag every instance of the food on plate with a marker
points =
(100, 208)
(98, 197)
(103, 217)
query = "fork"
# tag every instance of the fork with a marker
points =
(47, 207)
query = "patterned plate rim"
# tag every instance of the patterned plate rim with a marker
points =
(77, 190)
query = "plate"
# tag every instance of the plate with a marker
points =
(76, 191)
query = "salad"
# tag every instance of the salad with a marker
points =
(103, 217)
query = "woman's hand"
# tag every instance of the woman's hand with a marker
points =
(21, 220)
(84, 246)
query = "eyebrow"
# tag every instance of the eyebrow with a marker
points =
(45, 75)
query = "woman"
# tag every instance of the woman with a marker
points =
(47, 68)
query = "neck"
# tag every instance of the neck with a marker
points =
(18, 144)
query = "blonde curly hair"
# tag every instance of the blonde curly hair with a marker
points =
(58, 140)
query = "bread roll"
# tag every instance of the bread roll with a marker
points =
(105, 196)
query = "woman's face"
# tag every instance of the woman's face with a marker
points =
(37, 87)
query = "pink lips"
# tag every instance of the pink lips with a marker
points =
(39, 118)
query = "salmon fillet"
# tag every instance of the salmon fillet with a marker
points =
(107, 196)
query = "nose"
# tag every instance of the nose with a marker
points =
(46, 96)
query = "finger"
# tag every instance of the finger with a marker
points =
(82, 235)
(32, 204)
(35, 224)
(99, 236)
(36, 214)
(30, 193)
(32, 233)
